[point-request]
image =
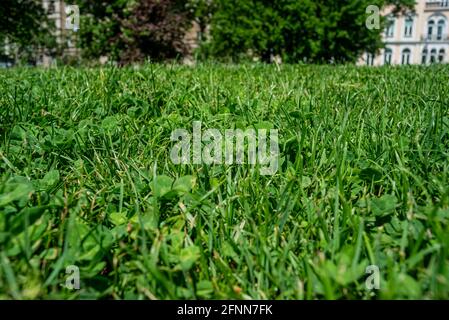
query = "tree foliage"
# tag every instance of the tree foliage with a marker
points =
(25, 26)
(318, 31)
(309, 30)
(131, 31)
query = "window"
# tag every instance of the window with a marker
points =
(369, 59)
(440, 28)
(406, 56)
(408, 29)
(431, 24)
(51, 7)
(433, 55)
(389, 32)
(387, 56)
(424, 56)
(441, 55)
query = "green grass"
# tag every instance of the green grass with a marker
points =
(363, 180)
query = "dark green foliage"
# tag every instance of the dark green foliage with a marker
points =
(133, 31)
(320, 31)
(25, 25)
(100, 27)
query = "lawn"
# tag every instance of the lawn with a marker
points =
(86, 181)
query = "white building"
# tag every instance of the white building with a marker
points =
(64, 37)
(419, 37)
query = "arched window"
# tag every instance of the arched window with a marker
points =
(387, 56)
(389, 32)
(441, 55)
(440, 29)
(424, 56)
(408, 29)
(430, 26)
(433, 55)
(406, 56)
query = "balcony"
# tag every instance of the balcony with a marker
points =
(437, 4)
(435, 37)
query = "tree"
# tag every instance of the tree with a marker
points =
(25, 26)
(240, 27)
(156, 29)
(310, 30)
(100, 27)
(131, 31)
(202, 12)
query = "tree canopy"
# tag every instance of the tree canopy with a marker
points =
(316, 31)
(319, 31)
(131, 31)
(25, 25)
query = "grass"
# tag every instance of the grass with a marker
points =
(363, 180)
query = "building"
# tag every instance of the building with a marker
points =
(66, 38)
(419, 37)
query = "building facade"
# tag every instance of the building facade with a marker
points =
(66, 38)
(419, 37)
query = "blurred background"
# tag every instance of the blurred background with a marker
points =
(122, 32)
